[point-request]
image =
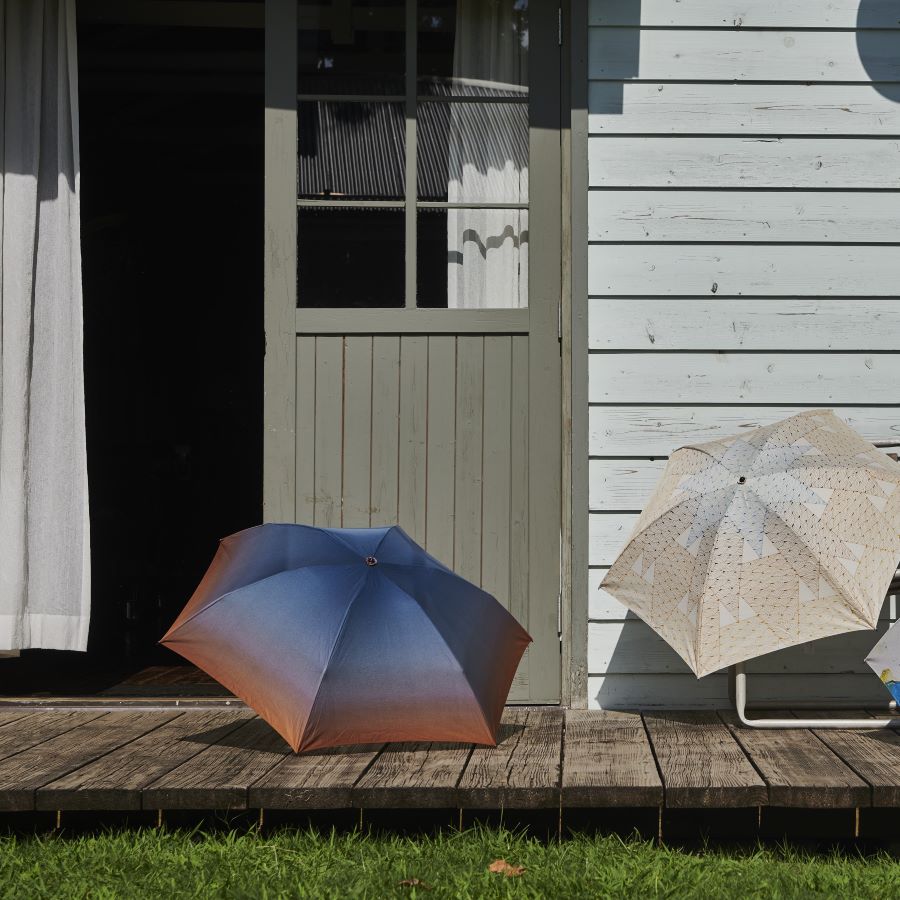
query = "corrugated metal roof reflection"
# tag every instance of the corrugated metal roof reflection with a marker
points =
(357, 150)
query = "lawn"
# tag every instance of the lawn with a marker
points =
(291, 863)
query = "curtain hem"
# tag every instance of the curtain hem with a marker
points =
(44, 631)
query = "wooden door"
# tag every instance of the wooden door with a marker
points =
(401, 409)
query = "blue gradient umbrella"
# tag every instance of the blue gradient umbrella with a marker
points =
(346, 636)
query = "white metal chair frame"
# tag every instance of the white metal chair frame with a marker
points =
(740, 687)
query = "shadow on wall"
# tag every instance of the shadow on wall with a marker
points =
(620, 47)
(878, 44)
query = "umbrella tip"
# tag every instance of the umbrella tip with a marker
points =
(371, 561)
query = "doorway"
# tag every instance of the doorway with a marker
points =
(171, 141)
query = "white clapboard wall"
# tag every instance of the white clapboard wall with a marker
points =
(744, 264)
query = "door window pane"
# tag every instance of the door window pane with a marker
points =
(472, 258)
(473, 152)
(351, 151)
(351, 48)
(350, 257)
(466, 43)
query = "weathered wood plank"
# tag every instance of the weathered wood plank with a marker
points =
(873, 755)
(33, 729)
(760, 109)
(745, 13)
(318, 780)
(767, 216)
(305, 431)
(651, 430)
(693, 270)
(115, 780)
(422, 776)
(523, 770)
(385, 428)
(740, 55)
(23, 773)
(329, 430)
(518, 501)
(608, 761)
(413, 427)
(700, 762)
(668, 691)
(219, 776)
(799, 769)
(357, 433)
(633, 648)
(495, 518)
(441, 477)
(736, 323)
(835, 378)
(601, 604)
(622, 484)
(469, 455)
(743, 162)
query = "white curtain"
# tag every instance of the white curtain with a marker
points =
(487, 250)
(44, 545)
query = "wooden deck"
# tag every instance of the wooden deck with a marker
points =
(547, 759)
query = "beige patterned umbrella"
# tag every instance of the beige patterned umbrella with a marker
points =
(764, 540)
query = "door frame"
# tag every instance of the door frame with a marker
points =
(549, 324)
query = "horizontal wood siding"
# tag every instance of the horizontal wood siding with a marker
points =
(744, 263)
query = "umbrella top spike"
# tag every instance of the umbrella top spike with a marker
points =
(371, 561)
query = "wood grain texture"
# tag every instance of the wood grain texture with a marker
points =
(873, 755)
(357, 432)
(24, 731)
(219, 776)
(329, 430)
(692, 270)
(738, 323)
(732, 378)
(318, 780)
(608, 761)
(523, 771)
(412, 462)
(652, 430)
(743, 162)
(622, 484)
(701, 763)
(419, 775)
(115, 780)
(745, 13)
(469, 456)
(798, 768)
(385, 428)
(768, 216)
(305, 433)
(440, 514)
(740, 55)
(497, 439)
(23, 773)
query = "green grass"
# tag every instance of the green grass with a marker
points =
(289, 863)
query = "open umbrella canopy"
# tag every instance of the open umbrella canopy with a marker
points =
(764, 540)
(348, 636)
(885, 661)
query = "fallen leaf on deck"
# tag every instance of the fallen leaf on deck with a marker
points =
(502, 867)
(416, 882)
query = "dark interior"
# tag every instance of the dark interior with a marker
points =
(172, 232)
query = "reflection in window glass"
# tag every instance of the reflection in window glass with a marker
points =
(468, 43)
(351, 150)
(350, 257)
(472, 258)
(351, 48)
(473, 152)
